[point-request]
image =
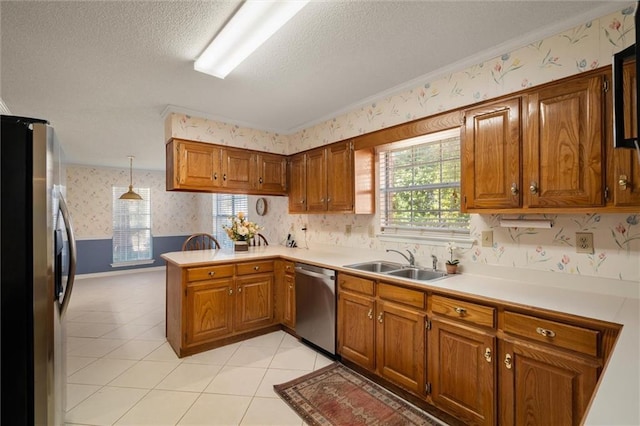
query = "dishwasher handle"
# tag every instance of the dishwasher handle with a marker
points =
(304, 271)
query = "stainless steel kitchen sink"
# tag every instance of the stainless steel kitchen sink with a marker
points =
(379, 266)
(399, 270)
(417, 274)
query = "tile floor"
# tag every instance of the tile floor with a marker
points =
(122, 371)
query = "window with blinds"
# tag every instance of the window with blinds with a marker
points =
(225, 206)
(131, 226)
(420, 185)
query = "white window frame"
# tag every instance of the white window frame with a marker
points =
(223, 207)
(124, 226)
(441, 233)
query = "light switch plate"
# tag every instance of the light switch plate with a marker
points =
(584, 242)
(487, 238)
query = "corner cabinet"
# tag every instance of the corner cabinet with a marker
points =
(199, 166)
(322, 180)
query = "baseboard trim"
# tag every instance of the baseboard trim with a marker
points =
(122, 272)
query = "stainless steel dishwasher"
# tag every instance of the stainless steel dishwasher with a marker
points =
(316, 306)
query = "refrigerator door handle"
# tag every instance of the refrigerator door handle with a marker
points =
(72, 256)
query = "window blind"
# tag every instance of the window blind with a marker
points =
(131, 226)
(225, 206)
(420, 185)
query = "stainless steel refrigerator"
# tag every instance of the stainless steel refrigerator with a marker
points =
(37, 268)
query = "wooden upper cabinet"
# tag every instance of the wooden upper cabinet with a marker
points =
(297, 183)
(625, 179)
(317, 180)
(271, 173)
(491, 142)
(200, 166)
(192, 165)
(340, 177)
(238, 169)
(563, 151)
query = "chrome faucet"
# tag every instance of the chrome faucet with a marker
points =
(411, 259)
(435, 261)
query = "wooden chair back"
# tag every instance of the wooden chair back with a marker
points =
(258, 240)
(201, 241)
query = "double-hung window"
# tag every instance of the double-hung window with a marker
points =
(420, 185)
(132, 242)
(225, 206)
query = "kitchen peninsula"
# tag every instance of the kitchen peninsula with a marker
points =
(616, 392)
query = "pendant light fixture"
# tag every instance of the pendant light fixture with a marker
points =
(130, 194)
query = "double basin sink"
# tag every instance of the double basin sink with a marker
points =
(398, 270)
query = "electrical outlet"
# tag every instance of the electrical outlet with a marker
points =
(584, 242)
(347, 230)
(487, 238)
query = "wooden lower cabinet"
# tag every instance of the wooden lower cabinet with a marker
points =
(210, 304)
(254, 301)
(400, 334)
(541, 386)
(462, 371)
(356, 329)
(289, 311)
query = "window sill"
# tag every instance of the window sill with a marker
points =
(132, 263)
(460, 240)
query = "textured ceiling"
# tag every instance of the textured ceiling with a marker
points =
(103, 72)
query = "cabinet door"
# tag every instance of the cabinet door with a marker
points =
(356, 329)
(289, 311)
(462, 371)
(198, 165)
(238, 169)
(491, 156)
(400, 339)
(298, 184)
(543, 387)
(254, 301)
(209, 310)
(340, 178)
(271, 173)
(626, 185)
(564, 148)
(317, 180)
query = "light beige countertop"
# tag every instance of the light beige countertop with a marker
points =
(617, 397)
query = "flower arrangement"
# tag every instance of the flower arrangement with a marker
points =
(451, 248)
(241, 229)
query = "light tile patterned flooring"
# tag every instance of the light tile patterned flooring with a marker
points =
(122, 371)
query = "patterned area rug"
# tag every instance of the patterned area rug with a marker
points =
(337, 396)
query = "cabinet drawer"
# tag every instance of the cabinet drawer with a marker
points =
(463, 310)
(357, 284)
(562, 335)
(288, 267)
(255, 267)
(209, 272)
(402, 295)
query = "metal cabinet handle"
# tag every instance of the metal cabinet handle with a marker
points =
(230, 291)
(255, 268)
(302, 201)
(239, 289)
(212, 273)
(322, 200)
(380, 317)
(460, 311)
(514, 189)
(507, 361)
(623, 182)
(533, 188)
(370, 314)
(329, 200)
(260, 180)
(215, 176)
(545, 332)
(290, 286)
(224, 177)
(487, 354)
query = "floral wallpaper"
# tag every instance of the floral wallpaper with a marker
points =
(587, 46)
(89, 195)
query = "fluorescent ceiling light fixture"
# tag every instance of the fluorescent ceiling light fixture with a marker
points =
(526, 223)
(252, 25)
